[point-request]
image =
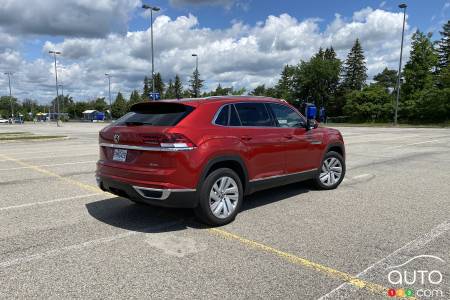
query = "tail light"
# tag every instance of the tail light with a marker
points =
(168, 140)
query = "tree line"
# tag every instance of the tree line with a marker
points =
(340, 87)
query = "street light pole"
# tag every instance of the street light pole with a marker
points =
(10, 93)
(62, 95)
(403, 6)
(56, 84)
(109, 93)
(152, 9)
(196, 70)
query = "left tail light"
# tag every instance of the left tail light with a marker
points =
(168, 140)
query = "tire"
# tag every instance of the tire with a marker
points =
(328, 176)
(216, 206)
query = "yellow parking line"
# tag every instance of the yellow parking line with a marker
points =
(52, 174)
(359, 283)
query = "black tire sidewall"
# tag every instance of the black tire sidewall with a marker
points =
(329, 154)
(203, 210)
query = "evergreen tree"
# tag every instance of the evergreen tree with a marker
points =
(134, 98)
(418, 71)
(443, 48)
(285, 86)
(170, 91)
(330, 54)
(387, 78)
(354, 77)
(119, 107)
(147, 88)
(178, 87)
(196, 84)
(159, 84)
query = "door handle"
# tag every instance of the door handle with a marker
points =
(246, 138)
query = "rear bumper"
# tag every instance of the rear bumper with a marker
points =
(181, 198)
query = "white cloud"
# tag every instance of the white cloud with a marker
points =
(240, 55)
(67, 18)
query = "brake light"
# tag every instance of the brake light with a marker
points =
(168, 140)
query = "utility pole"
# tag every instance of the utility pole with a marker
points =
(109, 93)
(10, 94)
(56, 84)
(403, 6)
(152, 9)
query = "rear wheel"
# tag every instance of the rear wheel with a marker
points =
(331, 172)
(221, 197)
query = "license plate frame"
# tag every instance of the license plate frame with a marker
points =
(120, 155)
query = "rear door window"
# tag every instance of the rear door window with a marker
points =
(155, 114)
(254, 114)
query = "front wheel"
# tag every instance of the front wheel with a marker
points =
(221, 197)
(331, 172)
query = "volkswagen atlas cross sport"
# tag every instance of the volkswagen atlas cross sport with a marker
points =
(208, 153)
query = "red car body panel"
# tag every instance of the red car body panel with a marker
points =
(264, 152)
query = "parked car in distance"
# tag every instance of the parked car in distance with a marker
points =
(4, 121)
(208, 153)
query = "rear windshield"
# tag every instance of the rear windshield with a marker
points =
(155, 114)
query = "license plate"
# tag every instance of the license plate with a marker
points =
(120, 155)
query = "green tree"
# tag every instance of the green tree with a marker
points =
(372, 103)
(147, 88)
(386, 78)
(119, 107)
(159, 84)
(100, 104)
(260, 90)
(285, 86)
(196, 84)
(134, 98)
(178, 87)
(170, 91)
(443, 46)
(418, 71)
(354, 71)
(318, 79)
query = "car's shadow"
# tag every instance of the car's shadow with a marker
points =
(122, 213)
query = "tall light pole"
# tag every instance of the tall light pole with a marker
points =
(152, 9)
(402, 6)
(56, 84)
(10, 93)
(62, 95)
(196, 69)
(109, 93)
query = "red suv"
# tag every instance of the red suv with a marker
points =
(208, 153)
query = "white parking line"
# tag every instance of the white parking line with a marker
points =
(53, 156)
(91, 243)
(49, 201)
(381, 266)
(413, 144)
(51, 165)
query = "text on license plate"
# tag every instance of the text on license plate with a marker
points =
(120, 155)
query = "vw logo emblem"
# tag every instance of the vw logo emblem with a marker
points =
(116, 138)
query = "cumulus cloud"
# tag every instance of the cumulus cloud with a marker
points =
(240, 55)
(67, 18)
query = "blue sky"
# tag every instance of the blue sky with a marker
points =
(241, 43)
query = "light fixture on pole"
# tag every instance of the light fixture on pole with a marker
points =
(109, 93)
(152, 9)
(10, 93)
(402, 6)
(56, 84)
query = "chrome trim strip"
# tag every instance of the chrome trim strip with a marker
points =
(165, 192)
(282, 175)
(145, 148)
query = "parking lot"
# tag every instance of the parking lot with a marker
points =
(61, 237)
